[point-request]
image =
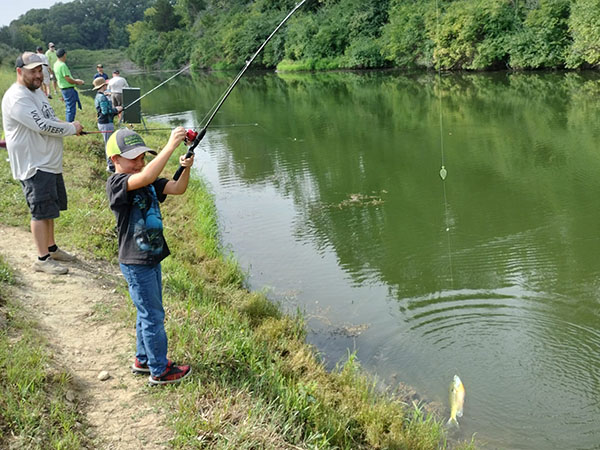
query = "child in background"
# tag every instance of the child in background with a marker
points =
(134, 192)
(106, 113)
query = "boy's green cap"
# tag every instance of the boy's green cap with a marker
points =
(127, 143)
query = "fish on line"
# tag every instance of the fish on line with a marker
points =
(457, 401)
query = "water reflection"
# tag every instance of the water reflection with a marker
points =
(334, 202)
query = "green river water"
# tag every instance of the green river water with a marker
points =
(329, 195)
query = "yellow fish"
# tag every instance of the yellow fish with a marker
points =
(457, 400)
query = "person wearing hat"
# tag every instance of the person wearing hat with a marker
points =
(34, 140)
(67, 84)
(134, 193)
(51, 55)
(100, 72)
(46, 82)
(106, 113)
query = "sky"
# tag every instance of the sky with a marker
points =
(12, 9)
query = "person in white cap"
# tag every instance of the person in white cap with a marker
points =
(34, 140)
(115, 86)
(52, 58)
(45, 71)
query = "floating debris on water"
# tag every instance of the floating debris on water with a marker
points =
(358, 199)
(351, 330)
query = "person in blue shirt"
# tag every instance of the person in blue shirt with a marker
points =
(100, 72)
(106, 113)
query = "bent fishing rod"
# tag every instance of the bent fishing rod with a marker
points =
(198, 136)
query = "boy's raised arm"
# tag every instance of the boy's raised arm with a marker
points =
(178, 187)
(151, 172)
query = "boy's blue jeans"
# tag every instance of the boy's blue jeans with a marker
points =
(145, 288)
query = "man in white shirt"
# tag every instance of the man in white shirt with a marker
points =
(115, 86)
(45, 71)
(34, 140)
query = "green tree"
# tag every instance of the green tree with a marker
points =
(91, 24)
(326, 34)
(164, 18)
(189, 10)
(8, 55)
(544, 38)
(24, 37)
(405, 41)
(117, 35)
(473, 34)
(584, 24)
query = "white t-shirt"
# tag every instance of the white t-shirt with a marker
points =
(33, 133)
(116, 85)
(45, 67)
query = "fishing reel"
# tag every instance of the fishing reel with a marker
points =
(190, 136)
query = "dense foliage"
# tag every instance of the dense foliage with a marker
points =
(327, 34)
(89, 24)
(356, 34)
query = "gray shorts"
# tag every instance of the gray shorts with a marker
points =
(45, 194)
(117, 99)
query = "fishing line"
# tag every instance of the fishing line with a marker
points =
(213, 111)
(223, 97)
(443, 171)
(156, 87)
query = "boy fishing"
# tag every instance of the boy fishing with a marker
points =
(134, 192)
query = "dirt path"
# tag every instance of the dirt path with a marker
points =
(72, 312)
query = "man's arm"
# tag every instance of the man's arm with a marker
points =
(73, 80)
(27, 114)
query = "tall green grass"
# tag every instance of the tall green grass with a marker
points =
(256, 384)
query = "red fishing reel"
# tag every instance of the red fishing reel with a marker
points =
(190, 136)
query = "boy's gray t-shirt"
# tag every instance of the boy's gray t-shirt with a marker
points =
(139, 222)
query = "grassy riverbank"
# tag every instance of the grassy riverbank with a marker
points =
(256, 384)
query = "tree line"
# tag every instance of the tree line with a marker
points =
(79, 24)
(328, 34)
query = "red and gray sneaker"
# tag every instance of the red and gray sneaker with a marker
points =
(140, 369)
(172, 374)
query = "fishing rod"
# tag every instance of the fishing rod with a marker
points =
(233, 125)
(230, 125)
(220, 102)
(152, 90)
